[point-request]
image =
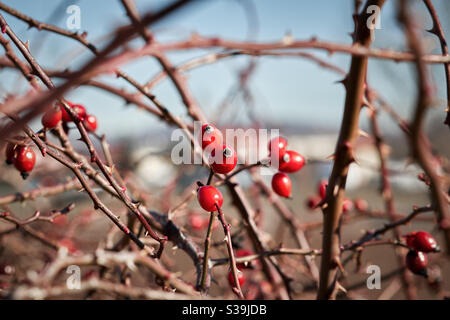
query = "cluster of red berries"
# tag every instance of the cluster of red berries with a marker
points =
(226, 159)
(420, 243)
(57, 114)
(209, 197)
(288, 162)
(23, 156)
(313, 201)
(89, 120)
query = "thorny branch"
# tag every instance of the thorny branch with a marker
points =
(344, 156)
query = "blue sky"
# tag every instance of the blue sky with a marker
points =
(287, 90)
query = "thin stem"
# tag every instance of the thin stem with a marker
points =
(439, 32)
(226, 229)
(387, 195)
(210, 177)
(205, 271)
(276, 252)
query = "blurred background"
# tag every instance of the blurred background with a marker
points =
(287, 90)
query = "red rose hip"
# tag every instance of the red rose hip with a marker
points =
(422, 241)
(291, 161)
(24, 160)
(224, 162)
(277, 146)
(416, 262)
(209, 197)
(282, 184)
(210, 136)
(243, 253)
(77, 108)
(361, 205)
(347, 205)
(312, 202)
(51, 118)
(90, 123)
(322, 188)
(196, 221)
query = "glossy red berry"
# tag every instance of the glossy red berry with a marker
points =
(24, 160)
(51, 118)
(361, 205)
(79, 110)
(90, 122)
(224, 162)
(196, 221)
(209, 197)
(347, 205)
(291, 161)
(416, 262)
(422, 241)
(312, 202)
(277, 146)
(240, 276)
(243, 253)
(211, 136)
(282, 184)
(322, 188)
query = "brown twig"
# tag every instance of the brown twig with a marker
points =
(204, 284)
(275, 252)
(420, 145)
(439, 32)
(387, 195)
(40, 192)
(36, 216)
(226, 230)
